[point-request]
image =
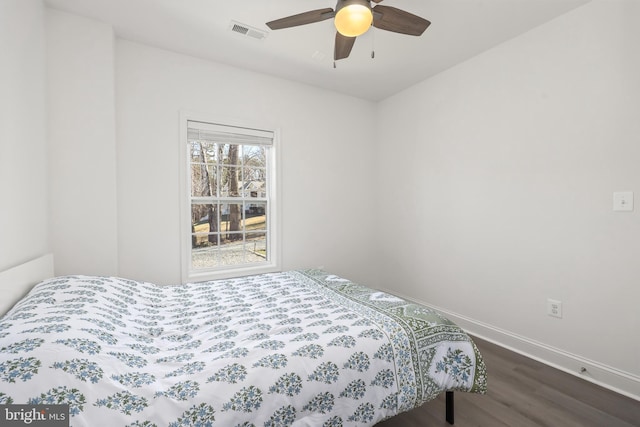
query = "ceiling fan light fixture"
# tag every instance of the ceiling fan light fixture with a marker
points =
(353, 17)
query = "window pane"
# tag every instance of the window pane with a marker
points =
(230, 184)
(232, 250)
(254, 182)
(231, 221)
(257, 246)
(204, 220)
(229, 154)
(254, 173)
(204, 257)
(254, 155)
(203, 180)
(256, 216)
(203, 151)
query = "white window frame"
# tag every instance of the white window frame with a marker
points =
(273, 264)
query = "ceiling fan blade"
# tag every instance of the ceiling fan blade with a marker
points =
(343, 46)
(302, 19)
(376, 1)
(396, 20)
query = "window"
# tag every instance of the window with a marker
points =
(228, 202)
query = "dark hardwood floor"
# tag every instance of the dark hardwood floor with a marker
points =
(526, 393)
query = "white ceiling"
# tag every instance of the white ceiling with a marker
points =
(459, 30)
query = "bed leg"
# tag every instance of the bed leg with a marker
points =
(449, 414)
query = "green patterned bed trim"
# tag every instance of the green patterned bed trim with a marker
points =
(416, 330)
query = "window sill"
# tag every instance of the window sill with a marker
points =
(213, 274)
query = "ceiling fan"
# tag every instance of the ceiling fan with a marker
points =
(354, 18)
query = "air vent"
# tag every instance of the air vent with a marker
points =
(246, 30)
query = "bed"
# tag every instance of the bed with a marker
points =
(296, 348)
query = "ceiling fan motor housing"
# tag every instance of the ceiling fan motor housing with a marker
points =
(344, 3)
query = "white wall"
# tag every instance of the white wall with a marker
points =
(509, 162)
(24, 219)
(327, 147)
(80, 88)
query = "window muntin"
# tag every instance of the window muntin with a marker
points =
(230, 188)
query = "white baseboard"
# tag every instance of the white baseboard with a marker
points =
(598, 373)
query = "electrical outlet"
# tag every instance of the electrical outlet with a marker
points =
(554, 308)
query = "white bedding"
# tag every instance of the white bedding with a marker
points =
(299, 348)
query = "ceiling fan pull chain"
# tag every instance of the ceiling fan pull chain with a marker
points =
(373, 42)
(334, 64)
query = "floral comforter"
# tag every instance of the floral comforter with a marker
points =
(298, 348)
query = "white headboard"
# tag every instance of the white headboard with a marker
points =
(16, 282)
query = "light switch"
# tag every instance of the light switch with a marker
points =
(623, 201)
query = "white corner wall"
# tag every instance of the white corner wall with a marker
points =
(326, 144)
(508, 164)
(24, 219)
(81, 131)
